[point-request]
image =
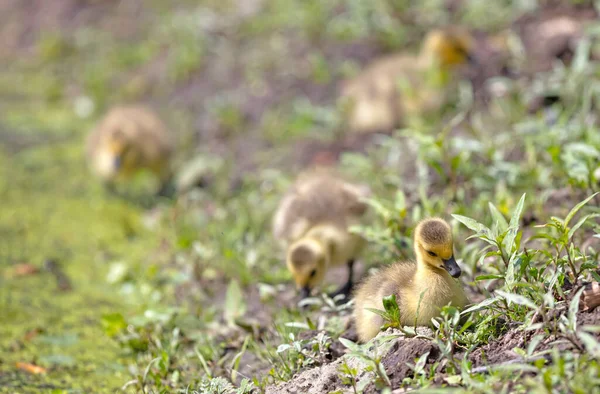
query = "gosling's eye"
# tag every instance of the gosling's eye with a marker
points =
(461, 50)
(431, 253)
(313, 273)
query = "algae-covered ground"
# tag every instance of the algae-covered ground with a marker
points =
(106, 293)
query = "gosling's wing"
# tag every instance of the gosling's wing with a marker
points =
(374, 96)
(369, 295)
(288, 221)
(151, 133)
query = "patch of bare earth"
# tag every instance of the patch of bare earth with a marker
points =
(404, 352)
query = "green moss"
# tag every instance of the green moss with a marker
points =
(52, 209)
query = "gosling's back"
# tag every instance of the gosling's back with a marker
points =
(318, 198)
(369, 295)
(420, 293)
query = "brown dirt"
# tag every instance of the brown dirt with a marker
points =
(405, 352)
(501, 349)
(551, 33)
(23, 22)
(589, 318)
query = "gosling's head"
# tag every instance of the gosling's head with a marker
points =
(434, 246)
(119, 147)
(449, 47)
(307, 260)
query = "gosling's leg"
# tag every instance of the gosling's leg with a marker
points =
(346, 289)
(167, 187)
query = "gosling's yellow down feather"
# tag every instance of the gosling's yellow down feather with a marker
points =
(311, 224)
(401, 86)
(128, 139)
(431, 276)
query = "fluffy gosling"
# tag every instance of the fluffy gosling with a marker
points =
(127, 140)
(432, 275)
(311, 224)
(401, 86)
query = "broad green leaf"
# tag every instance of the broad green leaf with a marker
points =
(513, 367)
(473, 225)
(579, 224)
(514, 220)
(582, 55)
(574, 308)
(590, 343)
(513, 227)
(235, 305)
(381, 209)
(283, 347)
(517, 299)
(420, 364)
(400, 202)
(207, 370)
(453, 380)
(481, 305)
(350, 345)
(382, 313)
(235, 363)
(509, 276)
(487, 277)
(576, 209)
(498, 217)
(390, 304)
(113, 323)
(535, 341)
(483, 238)
(591, 328)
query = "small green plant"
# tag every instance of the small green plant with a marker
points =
(220, 385)
(307, 352)
(349, 375)
(370, 354)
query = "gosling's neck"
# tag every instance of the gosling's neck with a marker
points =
(326, 235)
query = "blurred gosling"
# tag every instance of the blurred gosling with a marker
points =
(401, 86)
(129, 139)
(311, 224)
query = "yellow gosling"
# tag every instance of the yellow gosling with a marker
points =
(127, 140)
(402, 86)
(311, 224)
(433, 277)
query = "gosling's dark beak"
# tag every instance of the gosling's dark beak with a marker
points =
(550, 99)
(471, 59)
(117, 162)
(452, 268)
(304, 292)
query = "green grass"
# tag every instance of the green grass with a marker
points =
(193, 294)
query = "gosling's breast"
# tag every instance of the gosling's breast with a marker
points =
(104, 164)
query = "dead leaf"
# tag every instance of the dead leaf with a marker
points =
(25, 269)
(34, 369)
(29, 335)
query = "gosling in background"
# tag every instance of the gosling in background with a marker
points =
(129, 139)
(311, 224)
(399, 86)
(432, 275)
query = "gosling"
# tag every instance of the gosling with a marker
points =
(431, 276)
(401, 86)
(311, 224)
(127, 140)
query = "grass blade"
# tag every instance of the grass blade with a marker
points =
(577, 207)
